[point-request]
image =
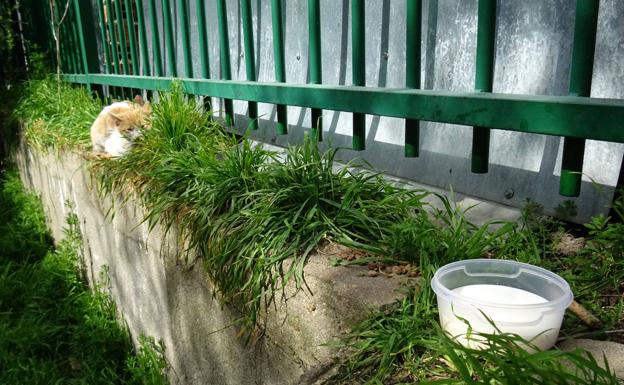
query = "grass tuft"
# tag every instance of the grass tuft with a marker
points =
(57, 117)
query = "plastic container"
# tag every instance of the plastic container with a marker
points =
(517, 297)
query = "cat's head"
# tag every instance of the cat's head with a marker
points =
(129, 119)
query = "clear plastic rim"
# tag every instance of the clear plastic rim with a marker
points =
(563, 302)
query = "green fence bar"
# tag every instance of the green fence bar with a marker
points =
(537, 114)
(112, 36)
(87, 39)
(314, 63)
(142, 38)
(486, 33)
(63, 43)
(123, 46)
(106, 46)
(70, 22)
(224, 56)
(158, 69)
(186, 37)
(413, 34)
(169, 42)
(250, 57)
(358, 68)
(585, 27)
(204, 59)
(278, 54)
(116, 92)
(132, 37)
(104, 38)
(78, 32)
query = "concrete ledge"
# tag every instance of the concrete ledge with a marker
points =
(160, 294)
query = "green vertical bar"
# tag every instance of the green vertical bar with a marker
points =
(88, 40)
(113, 38)
(105, 44)
(158, 70)
(69, 47)
(169, 42)
(142, 38)
(203, 39)
(203, 47)
(250, 64)
(107, 59)
(585, 27)
(81, 39)
(486, 33)
(66, 57)
(73, 40)
(123, 46)
(224, 55)
(278, 53)
(358, 66)
(413, 34)
(186, 38)
(314, 64)
(132, 37)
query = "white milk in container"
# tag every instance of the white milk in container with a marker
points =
(495, 296)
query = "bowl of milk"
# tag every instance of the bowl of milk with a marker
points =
(496, 296)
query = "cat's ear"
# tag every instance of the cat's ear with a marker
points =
(115, 118)
(139, 100)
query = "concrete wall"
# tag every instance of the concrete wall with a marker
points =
(161, 293)
(533, 54)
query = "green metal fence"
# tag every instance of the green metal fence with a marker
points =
(122, 29)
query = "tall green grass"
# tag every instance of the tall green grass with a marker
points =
(252, 217)
(56, 116)
(53, 328)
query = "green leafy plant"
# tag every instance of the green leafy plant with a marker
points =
(53, 328)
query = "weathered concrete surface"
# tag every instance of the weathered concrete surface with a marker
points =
(611, 351)
(160, 294)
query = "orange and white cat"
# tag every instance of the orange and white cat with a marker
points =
(118, 125)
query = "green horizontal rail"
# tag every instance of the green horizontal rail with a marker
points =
(548, 115)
